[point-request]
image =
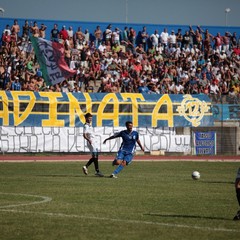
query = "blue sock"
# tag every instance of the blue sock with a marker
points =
(118, 169)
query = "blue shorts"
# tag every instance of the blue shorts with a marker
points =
(126, 156)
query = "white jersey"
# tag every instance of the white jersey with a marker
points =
(88, 130)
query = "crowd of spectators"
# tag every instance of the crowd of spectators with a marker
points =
(122, 60)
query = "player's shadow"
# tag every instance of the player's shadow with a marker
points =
(58, 175)
(217, 182)
(68, 176)
(184, 216)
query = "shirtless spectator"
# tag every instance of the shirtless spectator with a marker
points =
(79, 38)
(34, 29)
(98, 36)
(67, 53)
(15, 27)
(218, 41)
(139, 49)
(226, 42)
(42, 31)
(207, 39)
(197, 37)
(114, 88)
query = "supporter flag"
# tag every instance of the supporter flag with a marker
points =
(50, 56)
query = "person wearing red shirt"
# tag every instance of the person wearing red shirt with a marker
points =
(124, 73)
(236, 50)
(137, 66)
(6, 39)
(63, 33)
(96, 69)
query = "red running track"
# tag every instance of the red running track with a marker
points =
(75, 157)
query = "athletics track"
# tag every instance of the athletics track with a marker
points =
(78, 157)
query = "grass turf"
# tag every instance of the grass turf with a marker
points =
(149, 200)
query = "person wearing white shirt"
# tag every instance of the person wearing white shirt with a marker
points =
(186, 49)
(164, 37)
(70, 32)
(102, 46)
(116, 36)
(179, 88)
(194, 50)
(7, 29)
(108, 33)
(172, 38)
(154, 38)
(92, 144)
(223, 55)
(178, 51)
(214, 88)
(171, 87)
(159, 48)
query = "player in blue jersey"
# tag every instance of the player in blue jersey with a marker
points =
(92, 144)
(237, 187)
(127, 148)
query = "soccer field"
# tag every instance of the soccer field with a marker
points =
(149, 200)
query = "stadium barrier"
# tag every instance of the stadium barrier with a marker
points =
(53, 122)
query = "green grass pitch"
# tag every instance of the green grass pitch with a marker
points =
(149, 200)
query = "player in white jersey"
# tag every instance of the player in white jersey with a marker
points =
(92, 144)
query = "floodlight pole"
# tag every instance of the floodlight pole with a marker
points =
(227, 10)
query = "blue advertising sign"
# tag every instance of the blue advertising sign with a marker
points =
(205, 143)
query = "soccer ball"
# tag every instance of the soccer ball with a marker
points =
(195, 175)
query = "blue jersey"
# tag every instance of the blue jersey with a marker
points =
(128, 140)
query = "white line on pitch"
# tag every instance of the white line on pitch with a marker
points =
(122, 220)
(44, 199)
